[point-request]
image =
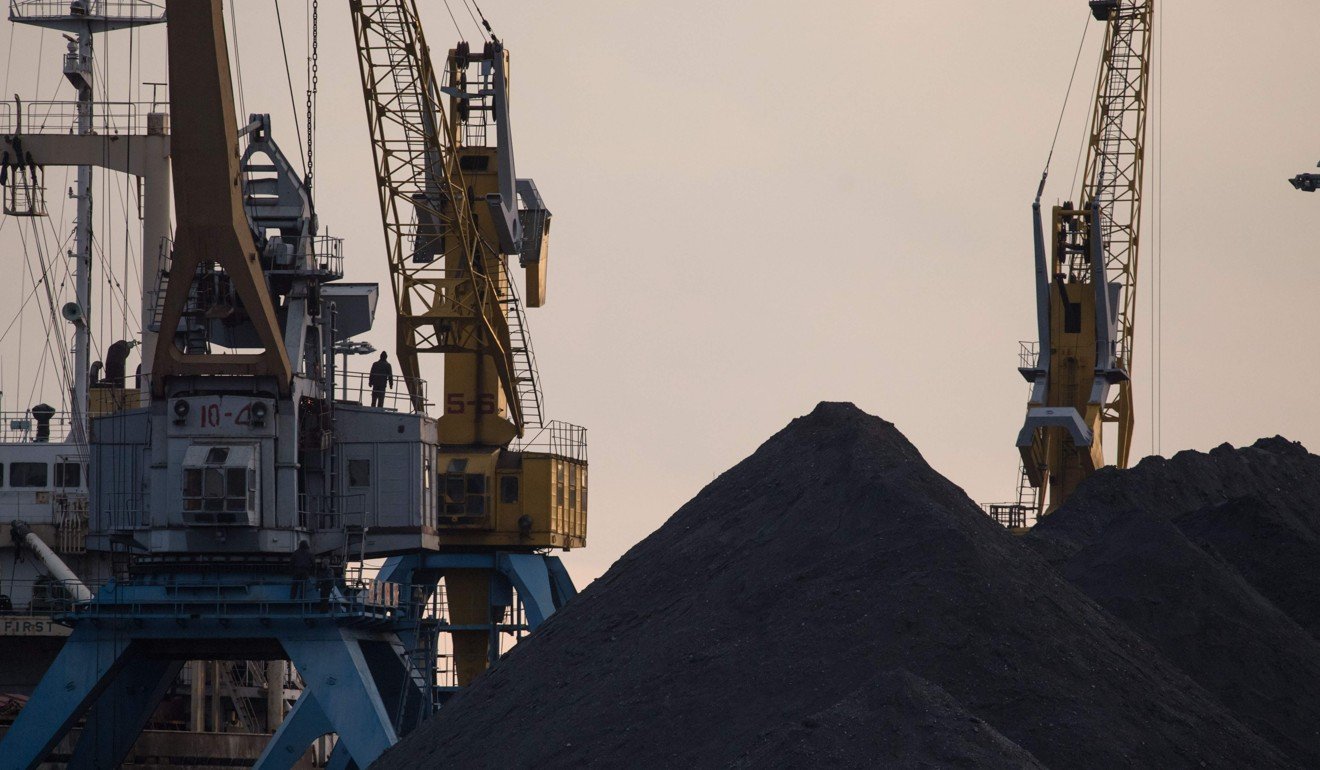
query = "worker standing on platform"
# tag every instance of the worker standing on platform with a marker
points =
(303, 567)
(382, 375)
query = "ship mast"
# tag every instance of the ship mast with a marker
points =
(79, 20)
(78, 69)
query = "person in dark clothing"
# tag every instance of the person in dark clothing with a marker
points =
(304, 568)
(382, 376)
(325, 581)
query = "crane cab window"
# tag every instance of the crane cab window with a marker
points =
(220, 485)
(359, 473)
(508, 489)
(29, 475)
(463, 493)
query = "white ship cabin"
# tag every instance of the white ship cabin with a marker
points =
(43, 483)
(40, 469)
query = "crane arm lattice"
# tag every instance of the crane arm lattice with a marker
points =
(446, 298)
(1113, 181)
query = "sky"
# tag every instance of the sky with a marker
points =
(760, 205)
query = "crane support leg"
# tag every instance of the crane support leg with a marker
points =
(340, 759)
(336, 674)
(135, 634)
(560, 581)
(531, 575)
(305, 722)
(122, 710)
(79, 674)
(478, 587)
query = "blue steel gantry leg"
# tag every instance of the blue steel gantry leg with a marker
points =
(529, 574)
(560, 581)
(340, 760)
(336, 674)
(122, 710)
(65, 693)
(543, 583)
(128, 644)
(305, 722)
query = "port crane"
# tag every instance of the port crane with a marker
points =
(237, 495)
(1080, 369)
(455, 214)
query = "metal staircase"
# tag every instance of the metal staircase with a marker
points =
(526, 377)
(234, 672)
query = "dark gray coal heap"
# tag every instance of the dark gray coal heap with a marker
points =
(1213, 559)
(832, 600)
(896, 719)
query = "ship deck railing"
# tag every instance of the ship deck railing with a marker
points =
(21, 428)
(49, 598)
(112, 10)
(62, 117)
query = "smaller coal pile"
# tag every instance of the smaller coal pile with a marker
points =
(833, 600)
(1212, 558)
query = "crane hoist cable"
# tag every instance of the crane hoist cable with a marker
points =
(288, 77)
(313, 85)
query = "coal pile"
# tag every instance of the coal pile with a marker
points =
(1212, 558)
(895, 720)
(832, 597)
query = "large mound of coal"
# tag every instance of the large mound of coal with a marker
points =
(773, 600)
(896, 720)
(1213, 559)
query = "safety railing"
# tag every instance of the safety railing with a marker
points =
(100, 10)
(327, 259)
(1010, 515)
(356, 388)
(557, 438)
(43, 597)
(71, 524)
(22, 427)
(255, 599)
(111, 118)
(328, 255)
(330, 513)
(1028, 354)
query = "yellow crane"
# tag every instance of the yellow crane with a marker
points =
(1086, 279)
(455, 214)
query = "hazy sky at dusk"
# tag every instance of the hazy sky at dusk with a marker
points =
(759, 205)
